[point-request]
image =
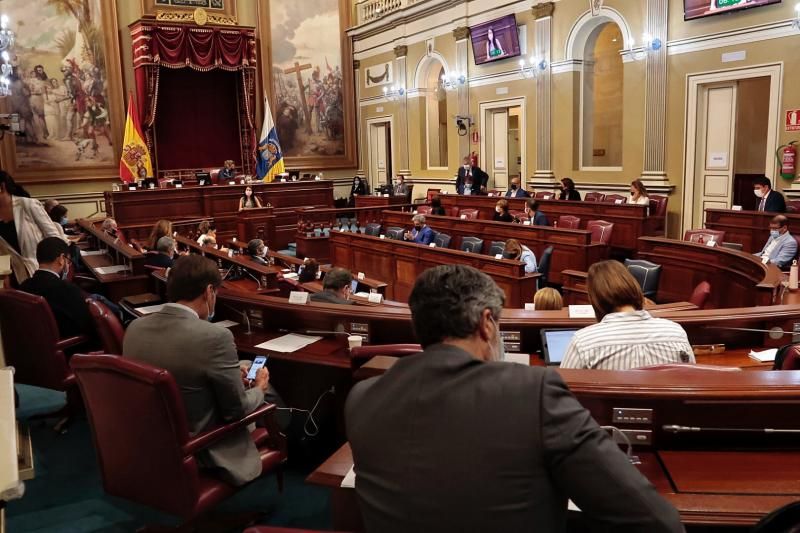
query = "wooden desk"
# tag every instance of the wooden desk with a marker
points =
(267, 275)
(380, 201)
(400, 263)
(571, 248)
(748, 228)
(630, 221)
(318, 248)
(713, 478)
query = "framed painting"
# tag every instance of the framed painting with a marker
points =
(66, 87)
(307, 72)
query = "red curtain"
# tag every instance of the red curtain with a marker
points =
(203, 49)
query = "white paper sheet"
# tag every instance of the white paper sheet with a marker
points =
(765, 356)
(288, 343)
(115, 269)
(146, 310)
(519, 358)
(349, 481)
(227, 323)
(85, 253)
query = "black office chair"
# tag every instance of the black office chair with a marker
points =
(781, 520)
(472, 244)
(395, 233)
(543, 268)
(435, 234)
(497, 247)
(442, 240)
(373, 229)
(647, 274)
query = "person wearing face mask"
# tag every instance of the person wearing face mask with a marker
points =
(768, 200)
(501, 213)
(249, 200)
(515, 250)
(421, 234)
(535, 217)
(515, 191)
(471, 179)
(419, 465)
(23, 224)
(64, 298)
(203, 360)
(258, 251)
(568, 191)
(335, 288)
(781, 247)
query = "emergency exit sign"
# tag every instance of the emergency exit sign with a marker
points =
(793, 120)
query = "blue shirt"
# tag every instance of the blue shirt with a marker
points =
(423, 236)
(529, 258)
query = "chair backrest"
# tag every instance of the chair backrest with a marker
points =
(362, 354)
(783, 520)
(647, 274)
(395, 233)
(594, 197)
(469, 214)
(615, 199)
(732, 245)
(703, 236)
(472, 244)
(442, 240)
(544, 195)
(108, 327)
(424, 210)
(569, 222)
(700, 294)
(789, 359)
(30, 334)
(543, 267)
(431, 193)
(601, 231)
(139, 427)
(214, 175)
(658, 205)
(454, 210)
(793, 205)
(517, 214)
(373, 228)
(410, 193)
(496, 247)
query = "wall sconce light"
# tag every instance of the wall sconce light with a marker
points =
(394, 93)
(649, 44)
(533, 67)
(453, 81)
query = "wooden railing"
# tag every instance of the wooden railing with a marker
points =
(311, 219)
(372, 10)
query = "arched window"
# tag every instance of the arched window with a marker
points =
(436, 116)
(602, 102)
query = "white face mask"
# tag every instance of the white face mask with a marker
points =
(210, 308)
(759, 192)
(500, 348)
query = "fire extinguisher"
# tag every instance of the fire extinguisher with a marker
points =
(787, 157)
(473, 159)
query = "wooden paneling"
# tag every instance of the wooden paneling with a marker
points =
(748, 228)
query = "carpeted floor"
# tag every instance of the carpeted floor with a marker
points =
(67, 494)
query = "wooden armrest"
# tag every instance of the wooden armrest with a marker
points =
(71, 341)
(207, 438)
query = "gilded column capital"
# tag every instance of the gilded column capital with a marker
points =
(461, 33)
(356, 64)
(541, 11)
(400, 50)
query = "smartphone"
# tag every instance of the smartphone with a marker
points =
(258, 364)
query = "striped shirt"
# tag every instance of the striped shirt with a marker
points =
(622, 341)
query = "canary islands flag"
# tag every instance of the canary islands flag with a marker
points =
(135, 162)
(270, 156)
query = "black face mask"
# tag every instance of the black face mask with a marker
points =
(509, 255)
(418, 228)
(513, 186)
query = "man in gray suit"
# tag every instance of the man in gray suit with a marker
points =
(202, 358)
(454, 440)
(335, 288)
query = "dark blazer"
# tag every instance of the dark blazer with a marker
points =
(438, 211)
(446, 443)
(157, 259)
(775, 202)
(540, 219)
(519, 193)
(479, 179)
(202, 358)
(502, 217)
(329, 297)
(66, 301)
(570, 195)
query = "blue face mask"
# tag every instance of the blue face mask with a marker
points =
(774, 233)
(64, 221)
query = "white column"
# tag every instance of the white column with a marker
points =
(461, 35)
(361, 145)
(543, 174)
(401, 116)
(654, 171)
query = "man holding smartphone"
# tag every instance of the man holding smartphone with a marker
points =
(203, 360)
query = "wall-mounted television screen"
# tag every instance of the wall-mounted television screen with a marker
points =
(495, 40)
(693, 9)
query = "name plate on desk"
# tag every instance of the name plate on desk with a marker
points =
(298, 297)
(375, 298)
(581, 311)
(231, 183)
(179, 185)
(132, 187)
(736, 208)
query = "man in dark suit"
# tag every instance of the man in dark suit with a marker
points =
(471, 179)
(164, 254)
(452, 439)
(515, 191)
(64, 298)
(258, 251)
(335, 288)
(769, 200)
(535, 217)
(202, 358)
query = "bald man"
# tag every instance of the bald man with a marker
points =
(515, 191)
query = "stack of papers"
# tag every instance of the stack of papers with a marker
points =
(765, 356)
(85, 253)
(146, 310)
(288, 343)
(115, 269)
(226, 323)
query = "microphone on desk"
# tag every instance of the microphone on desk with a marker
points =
(774, 333)
(315, 332)
(244, 316)
(250, 274)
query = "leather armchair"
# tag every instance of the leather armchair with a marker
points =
(594, 197)
(468, 214)
(544, 195)
(647, 274)
(472, 244)
(700, 294)
(569, 222)
(424, 210)
(601, 231)
(702, 236)
(442, 240)
(615, 199)
(108, 326)
(151, 459)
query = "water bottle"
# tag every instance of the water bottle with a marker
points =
(793, 276)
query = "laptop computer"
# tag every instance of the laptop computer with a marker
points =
(203, 178)
(554, 344)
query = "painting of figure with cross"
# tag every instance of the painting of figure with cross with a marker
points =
(307, 77)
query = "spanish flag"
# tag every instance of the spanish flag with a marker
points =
(135, 162)
(270, 156)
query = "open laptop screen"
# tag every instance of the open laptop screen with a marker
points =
(555, 343)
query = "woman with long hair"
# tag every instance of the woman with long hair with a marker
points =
(516, 250)
(249, 200)
(639, 194)
(162, 228)
(568, 191)
(493, 47)
(501, 213)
